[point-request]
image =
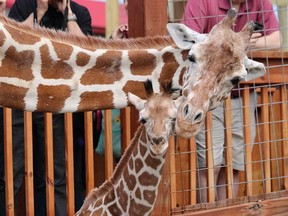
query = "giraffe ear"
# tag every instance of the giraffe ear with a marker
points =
(136, 101)
(183, 36)
(254, 69)
(178, 101)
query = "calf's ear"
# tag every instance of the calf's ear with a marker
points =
(136, 101)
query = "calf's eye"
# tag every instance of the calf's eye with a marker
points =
(192, 58)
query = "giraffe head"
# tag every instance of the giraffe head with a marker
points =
(158, 115)
(218, 62)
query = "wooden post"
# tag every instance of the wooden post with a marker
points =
(210, 159)
(149, 18)
(49, 157)
(29, 184)
(284, 131)
(229, 149)
(112, 16)
(69, 155)
(247, 139)
(266, 138)
(8, 161)
(89, 151)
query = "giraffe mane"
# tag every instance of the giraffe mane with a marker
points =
(89, 42)
(108, 184)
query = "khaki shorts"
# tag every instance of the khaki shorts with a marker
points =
(218, 134)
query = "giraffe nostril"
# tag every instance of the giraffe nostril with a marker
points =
(157, 140)
(198, 117)
(186, 110)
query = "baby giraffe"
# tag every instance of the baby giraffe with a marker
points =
(133, 188)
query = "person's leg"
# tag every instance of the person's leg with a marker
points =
(218, 142)
(59, 164)
(238, 150)
(39, 164)
(222, 184)
(79, 159)
(238, 136)
(18, 151)
(202, 184)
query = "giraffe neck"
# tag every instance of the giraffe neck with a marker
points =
(133, 188)
(40, 70)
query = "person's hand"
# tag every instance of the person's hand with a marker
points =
(254, 38)
(59, 4)
(120, 33)
(42, 6)
(2, 6)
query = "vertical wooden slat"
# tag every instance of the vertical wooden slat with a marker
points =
(229, 149)
(247, 139)
(266, 138)
(193, 168)
(29, 190)
(50, 196)
(172, 172)
(89, 151)
(210, 161)
(112, 16)
(125, 128)
(284, 128)
(69, 155)
(8, 161)
(108, 143)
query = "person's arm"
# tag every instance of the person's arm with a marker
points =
(2, 7)
(72, 26)
(83, 25)
(270, 38)
(269, 42)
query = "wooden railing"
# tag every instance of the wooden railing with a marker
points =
(266, 172)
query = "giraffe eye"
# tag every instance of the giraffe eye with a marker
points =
(236, 80)
(192, 58)
(142, 120)
(173, 119)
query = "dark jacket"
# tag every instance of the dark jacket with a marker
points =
(22, 9)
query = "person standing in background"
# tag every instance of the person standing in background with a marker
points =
(201, 16)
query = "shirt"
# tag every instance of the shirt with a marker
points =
(22, 9)
(202, 15)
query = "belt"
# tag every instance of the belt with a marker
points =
(235, 94)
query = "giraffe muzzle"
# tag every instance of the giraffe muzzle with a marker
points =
(158, 140)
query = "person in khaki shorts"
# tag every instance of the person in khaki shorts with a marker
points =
(201, 16)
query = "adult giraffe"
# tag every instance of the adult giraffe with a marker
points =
(43, 70)
(218, 62)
